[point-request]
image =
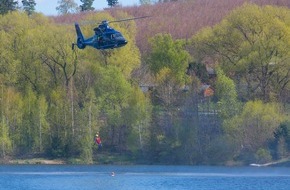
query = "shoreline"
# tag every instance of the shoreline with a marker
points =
(281, 162)
(285, 162)
(33, 161)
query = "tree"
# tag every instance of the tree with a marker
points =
(138, 117)
(29, 6)
(254, 127)
(113, 92)
(252, 44)
(282, 140)
(43, 125)
(145, 2)
(89, 127)
(169, 54)
(226, 92)
(11, 106)
(87, 5)
(59, 111)
(29, 127)
(112, 3)
(168, 62)
(7, 5)
(66, 6)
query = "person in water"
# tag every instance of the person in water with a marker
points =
(98, 140)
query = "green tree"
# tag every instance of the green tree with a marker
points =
(87, 5)
(43, 125)
(112, 3)
(28, 52)
(282, 140)
(228, 104)
(254, 127)
(113, 92)
(66, 6)
(263, 156)
(57, 56)
(169, 54)
(28, 128)
(11, 116)
(6, 144)
(29, 6)
(7, 5)
(89, 126)
(168, 62)
(61, 140)
(55, 99)
(252, 45)
(138, 117)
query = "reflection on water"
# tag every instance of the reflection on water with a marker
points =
(68, 177)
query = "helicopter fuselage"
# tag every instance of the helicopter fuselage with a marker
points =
(104, 38)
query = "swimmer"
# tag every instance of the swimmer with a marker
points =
(113, 174)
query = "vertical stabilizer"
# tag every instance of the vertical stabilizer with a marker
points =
(80, 37)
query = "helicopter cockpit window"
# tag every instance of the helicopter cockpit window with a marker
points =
(117, 35)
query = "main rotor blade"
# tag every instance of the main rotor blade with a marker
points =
(126, 19)
(88, 22)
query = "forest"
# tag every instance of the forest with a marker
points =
(199, 82)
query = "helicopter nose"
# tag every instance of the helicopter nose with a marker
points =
(122, 42)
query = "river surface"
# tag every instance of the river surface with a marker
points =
(94, 177)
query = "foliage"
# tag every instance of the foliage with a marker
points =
(252, 45)
(167, 61)
(53, 100)
(58, 93)
(282, 140)
(87, 5)
(168, 57)
(7, 6)
(253, 128)
(112, 3)
(263, 156)
(11, 105)
(28, 6)
(66, 6)
(228, 104)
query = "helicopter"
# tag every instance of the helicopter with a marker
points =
(104, 38)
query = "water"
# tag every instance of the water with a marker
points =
(93, 177)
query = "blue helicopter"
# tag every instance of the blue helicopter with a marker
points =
(104, 38)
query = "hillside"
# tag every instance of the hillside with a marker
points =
(181, 19)
(54, 100)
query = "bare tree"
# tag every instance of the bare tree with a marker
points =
(67, 6)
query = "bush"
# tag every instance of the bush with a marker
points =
(263, 156)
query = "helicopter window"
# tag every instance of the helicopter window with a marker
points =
(117, 35)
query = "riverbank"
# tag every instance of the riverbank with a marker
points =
(32, 161)
(101, 158)
(113, 159)
(285, 162)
